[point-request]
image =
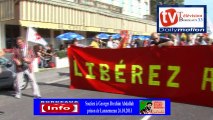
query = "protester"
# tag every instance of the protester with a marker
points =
(102, 44)
(116, 43)
(200, 40)
(95, 42)
(133, 44)
(208, 41)
(49, 51)
(49, 54)
(124, 41)
(145, 42)
(23, 57)
(74, 42)
(174, 39)
(127, 45)
(182, 42)
(110, 43)
(160, 42)
(190, 40)
(52, 48)
(61, 47)
(41, 57)
(138, 43)
(197, 41)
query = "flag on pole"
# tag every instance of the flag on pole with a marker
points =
(34, 37)
(124, 38)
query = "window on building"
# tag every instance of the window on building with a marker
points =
(45, 33)
(12, 32)
(57, 42)
(146, 8)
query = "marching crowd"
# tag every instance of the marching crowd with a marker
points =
(154, 40)
(44, 55)
(23, 55)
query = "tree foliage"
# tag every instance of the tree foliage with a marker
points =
(154, 4)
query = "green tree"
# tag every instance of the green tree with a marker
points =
(170, 2)
(154, 4)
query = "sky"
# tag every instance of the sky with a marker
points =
(209, 4)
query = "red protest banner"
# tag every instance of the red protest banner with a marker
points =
(183, 74)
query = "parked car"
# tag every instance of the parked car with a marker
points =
(8, 73)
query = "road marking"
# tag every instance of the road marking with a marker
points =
(146, 117)
(59, 80)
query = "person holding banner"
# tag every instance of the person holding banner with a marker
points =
(95, 42)
(156, 41)
(110, 43)
(74, 42)
(23, 57)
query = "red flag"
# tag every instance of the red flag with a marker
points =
(124, 38)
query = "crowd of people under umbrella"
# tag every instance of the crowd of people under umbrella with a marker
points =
(106, 41)
(154, 39)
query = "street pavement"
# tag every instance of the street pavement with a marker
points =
(52, 75)
(55, 84)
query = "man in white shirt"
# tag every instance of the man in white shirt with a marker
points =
(110, 43)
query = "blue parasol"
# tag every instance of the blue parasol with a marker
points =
(70, 36)
(138, 37)
(103, 36)
(116, 36)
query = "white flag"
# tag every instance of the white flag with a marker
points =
(34, 37)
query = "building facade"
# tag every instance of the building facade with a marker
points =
(135, 8)
(53, 17)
